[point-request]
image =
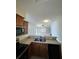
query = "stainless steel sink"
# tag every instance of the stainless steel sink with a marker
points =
(42, 39)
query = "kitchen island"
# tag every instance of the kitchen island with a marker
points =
(42, 48)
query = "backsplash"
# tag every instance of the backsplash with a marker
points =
(21, 37)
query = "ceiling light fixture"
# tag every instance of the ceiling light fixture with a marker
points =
(46, 21)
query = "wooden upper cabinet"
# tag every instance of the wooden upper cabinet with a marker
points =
(19, 20)
(25, 26)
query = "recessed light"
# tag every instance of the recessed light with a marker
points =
(46, 21)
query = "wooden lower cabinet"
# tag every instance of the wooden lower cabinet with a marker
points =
(38, 49)
(43, 50)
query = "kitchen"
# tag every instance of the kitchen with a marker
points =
(38, 35)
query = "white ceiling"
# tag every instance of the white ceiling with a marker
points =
(36, 11)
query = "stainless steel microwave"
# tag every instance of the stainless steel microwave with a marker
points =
(19, 31)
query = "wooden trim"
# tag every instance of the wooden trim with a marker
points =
(20, 15)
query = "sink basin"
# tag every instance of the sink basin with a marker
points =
(40, 39)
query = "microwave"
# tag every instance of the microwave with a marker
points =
(19, 31)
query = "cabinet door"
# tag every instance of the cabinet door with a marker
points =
(25, 25)
(36, 48)
(43, 50)
(19, 20)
